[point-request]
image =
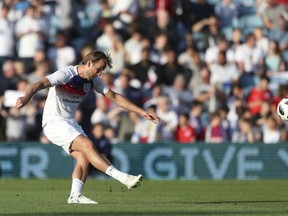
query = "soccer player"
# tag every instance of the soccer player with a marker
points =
(68, 86)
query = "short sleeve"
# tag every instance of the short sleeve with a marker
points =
(60, 76)
(100, 86)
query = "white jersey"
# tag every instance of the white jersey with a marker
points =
(67, 91)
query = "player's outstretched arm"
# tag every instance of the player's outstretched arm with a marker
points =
(31, 91)
(122, 101)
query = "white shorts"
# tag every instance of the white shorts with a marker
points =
(63, 133)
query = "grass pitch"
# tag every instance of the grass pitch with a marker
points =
(203, 197)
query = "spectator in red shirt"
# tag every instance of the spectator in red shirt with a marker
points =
(184, 132)
(284, 2)
(258, 95)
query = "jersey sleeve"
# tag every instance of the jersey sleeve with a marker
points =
(59, 77)
(100, 86)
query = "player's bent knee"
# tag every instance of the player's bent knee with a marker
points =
(81, 158)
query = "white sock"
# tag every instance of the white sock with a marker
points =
(77, 186)
(116, 174)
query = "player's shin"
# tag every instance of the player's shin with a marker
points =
(116, 174)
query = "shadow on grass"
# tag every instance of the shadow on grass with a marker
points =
(154, 213)
(240, 202)
(166, 212)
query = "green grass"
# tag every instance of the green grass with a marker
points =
(203, 197)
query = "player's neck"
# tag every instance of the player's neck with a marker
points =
(80, 71)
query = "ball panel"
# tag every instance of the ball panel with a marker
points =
(282, 109)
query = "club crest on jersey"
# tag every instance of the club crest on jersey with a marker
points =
(86, 87)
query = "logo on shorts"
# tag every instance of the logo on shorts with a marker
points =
(86, 87)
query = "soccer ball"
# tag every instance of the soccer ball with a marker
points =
(282, 109)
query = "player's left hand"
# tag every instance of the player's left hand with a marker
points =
(151, 117)
(21, 102)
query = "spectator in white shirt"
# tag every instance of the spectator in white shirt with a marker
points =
(169, 119)
(271, 132)
(6, 36)
(133, 47)
(249, 57)
(100, 113)
(223, 73)
(29, 33)
(61, 54)
(211, 53)
(105, 41)
(125, 12)
(234, 43)
(144, 131)
(118, 53)
(261, 40)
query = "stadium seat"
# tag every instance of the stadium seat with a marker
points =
(276, 80)
(247, 8)
(199, 39)
(285, 55)
(247, 82)
(213, 2)
(227, 31)
(249, 23)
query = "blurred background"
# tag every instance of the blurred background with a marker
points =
(213, 70)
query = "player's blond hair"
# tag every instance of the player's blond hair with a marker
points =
(95, 56)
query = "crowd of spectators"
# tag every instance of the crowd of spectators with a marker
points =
(213, 70)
